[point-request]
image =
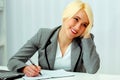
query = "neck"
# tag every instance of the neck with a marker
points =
(63, 40)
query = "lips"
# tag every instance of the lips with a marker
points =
(73, 31)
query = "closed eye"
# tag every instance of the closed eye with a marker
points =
(85, 24)
(76, 19)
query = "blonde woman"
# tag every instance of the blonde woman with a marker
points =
(70, 46)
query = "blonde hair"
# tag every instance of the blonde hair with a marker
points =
(74, 7)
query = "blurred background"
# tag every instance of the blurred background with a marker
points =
(21, 19)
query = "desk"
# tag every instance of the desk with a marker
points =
(82, 76)
(3, 68)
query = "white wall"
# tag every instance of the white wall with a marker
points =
(107, 34)
(25, 17)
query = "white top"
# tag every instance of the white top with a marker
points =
(63, 62)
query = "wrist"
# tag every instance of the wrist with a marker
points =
(21, 69)
(87, 36)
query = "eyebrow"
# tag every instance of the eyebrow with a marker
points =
(77, 17)
(80, 18)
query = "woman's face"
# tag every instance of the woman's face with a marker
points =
(76, 25)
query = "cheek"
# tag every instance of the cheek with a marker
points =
(70, 23)
(82, 30)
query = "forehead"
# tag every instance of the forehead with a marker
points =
(82, 15)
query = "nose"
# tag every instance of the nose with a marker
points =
(77, 26)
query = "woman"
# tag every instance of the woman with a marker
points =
(69, 46)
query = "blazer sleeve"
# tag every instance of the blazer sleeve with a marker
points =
(20, 58)
(91, 59)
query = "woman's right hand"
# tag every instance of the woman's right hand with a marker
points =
(31, 70)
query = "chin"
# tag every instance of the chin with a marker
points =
(71, 37)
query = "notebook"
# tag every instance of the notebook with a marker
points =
(48, 74)
(9, 75)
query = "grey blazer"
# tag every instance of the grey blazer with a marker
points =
(84, 58)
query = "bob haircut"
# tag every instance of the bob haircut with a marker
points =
(74, 7)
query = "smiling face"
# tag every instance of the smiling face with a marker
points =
(76, 25)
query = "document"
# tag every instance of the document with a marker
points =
(47, 74)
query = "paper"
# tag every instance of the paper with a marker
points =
(47, 74)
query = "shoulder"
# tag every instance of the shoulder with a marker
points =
(44, 33)
(44, 30)
(47, 31)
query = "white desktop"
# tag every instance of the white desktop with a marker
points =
(80, 76)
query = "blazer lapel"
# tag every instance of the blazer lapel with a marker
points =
(75, 52)
(51, 49)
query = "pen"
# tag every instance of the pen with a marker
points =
(34, 65)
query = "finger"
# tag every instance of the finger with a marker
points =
(39, 68)
(31, 74)
(35, 68)
(28, 70)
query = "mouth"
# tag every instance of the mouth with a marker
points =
(74, 31)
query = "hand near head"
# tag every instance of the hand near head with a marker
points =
(87, 32)
(31, 70)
